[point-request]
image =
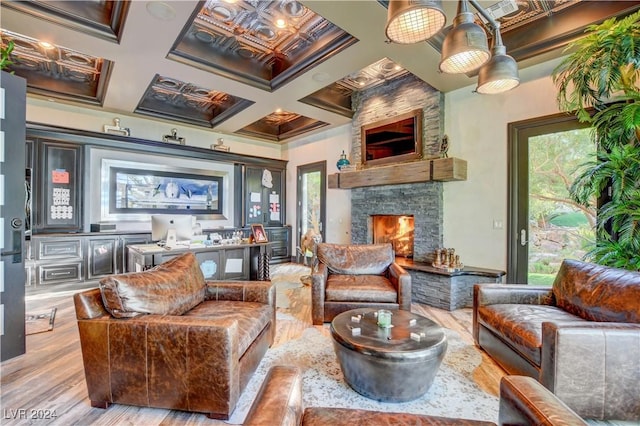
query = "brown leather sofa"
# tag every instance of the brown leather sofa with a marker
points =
(523, 401)
(352, 276)
(165, 338)
(580, 338)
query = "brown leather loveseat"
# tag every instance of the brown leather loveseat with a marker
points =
(523, 401)
(352, 276)
(165, 338)
(580, 338)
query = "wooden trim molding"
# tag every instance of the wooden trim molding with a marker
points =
(440, 170)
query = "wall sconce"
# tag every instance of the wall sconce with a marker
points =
(220, 146)
(174, 138)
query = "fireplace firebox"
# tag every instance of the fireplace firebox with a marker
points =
(397, 230)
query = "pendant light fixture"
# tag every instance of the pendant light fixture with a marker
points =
(500, 73)
(465, 48)
(412, 21)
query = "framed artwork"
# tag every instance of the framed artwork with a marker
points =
(259, 236)
(159, 191)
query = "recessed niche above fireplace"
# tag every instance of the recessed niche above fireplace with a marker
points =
(392, 140)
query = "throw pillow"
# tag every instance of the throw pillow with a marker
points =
(172, 288)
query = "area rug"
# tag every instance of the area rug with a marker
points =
(453, 393)
(40, 323)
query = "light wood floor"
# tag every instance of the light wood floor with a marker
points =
(49, 378)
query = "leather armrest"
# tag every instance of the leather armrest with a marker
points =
(524, 401)
(279, 400)
(593, 367)
(88, 304)
(318, 284)
(401, 279)
(135, 352)
(494, 294)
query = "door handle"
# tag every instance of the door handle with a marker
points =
(16, 245)
(523, 237)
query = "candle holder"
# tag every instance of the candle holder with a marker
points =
(384, 318)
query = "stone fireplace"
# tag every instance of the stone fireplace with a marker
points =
(422, 201)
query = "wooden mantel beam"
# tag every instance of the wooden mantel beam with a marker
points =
(440, 169)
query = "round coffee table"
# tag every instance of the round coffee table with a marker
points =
(394, 364)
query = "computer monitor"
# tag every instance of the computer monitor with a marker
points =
(161, 223)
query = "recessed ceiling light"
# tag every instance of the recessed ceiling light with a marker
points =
(45, 45)
(281, 23)
(161, 10)
(278, 110)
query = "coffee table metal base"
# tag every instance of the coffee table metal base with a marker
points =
(394, 370)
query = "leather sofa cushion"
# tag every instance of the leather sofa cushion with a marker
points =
(521, 325)
(171, 288)
(354, 259)
(361, 288)
(252, 318)
(319, 416)
(598, 293)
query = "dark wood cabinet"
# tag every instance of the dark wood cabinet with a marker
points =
(102, 255)
(264, 197)
(57, 201)
(63, 259)
(280, 244)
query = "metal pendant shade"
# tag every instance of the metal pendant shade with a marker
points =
(466, 47)
(499, 74)
(412, 21)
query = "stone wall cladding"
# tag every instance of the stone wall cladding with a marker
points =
(422, 200)
(399, 96)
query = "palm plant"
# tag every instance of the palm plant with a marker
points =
(5, 54)
(599, 82)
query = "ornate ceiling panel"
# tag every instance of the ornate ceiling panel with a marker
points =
(58, 72)
(171, 98)
(101, 18)
(337, 96)
(281, 125)
(262, 43)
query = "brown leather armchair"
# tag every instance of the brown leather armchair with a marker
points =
(352, 276)
(523, 401)
(165, 338)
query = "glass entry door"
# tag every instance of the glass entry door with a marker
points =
(546, 225)
(311, 199)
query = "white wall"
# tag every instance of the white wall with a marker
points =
(59, 114)
(477, 129)
(326, 145)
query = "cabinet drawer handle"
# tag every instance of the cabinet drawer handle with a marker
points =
(55, 274)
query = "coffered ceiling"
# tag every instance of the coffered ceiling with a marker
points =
(270, 70)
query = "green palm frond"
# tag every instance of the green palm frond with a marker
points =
(600, 82)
